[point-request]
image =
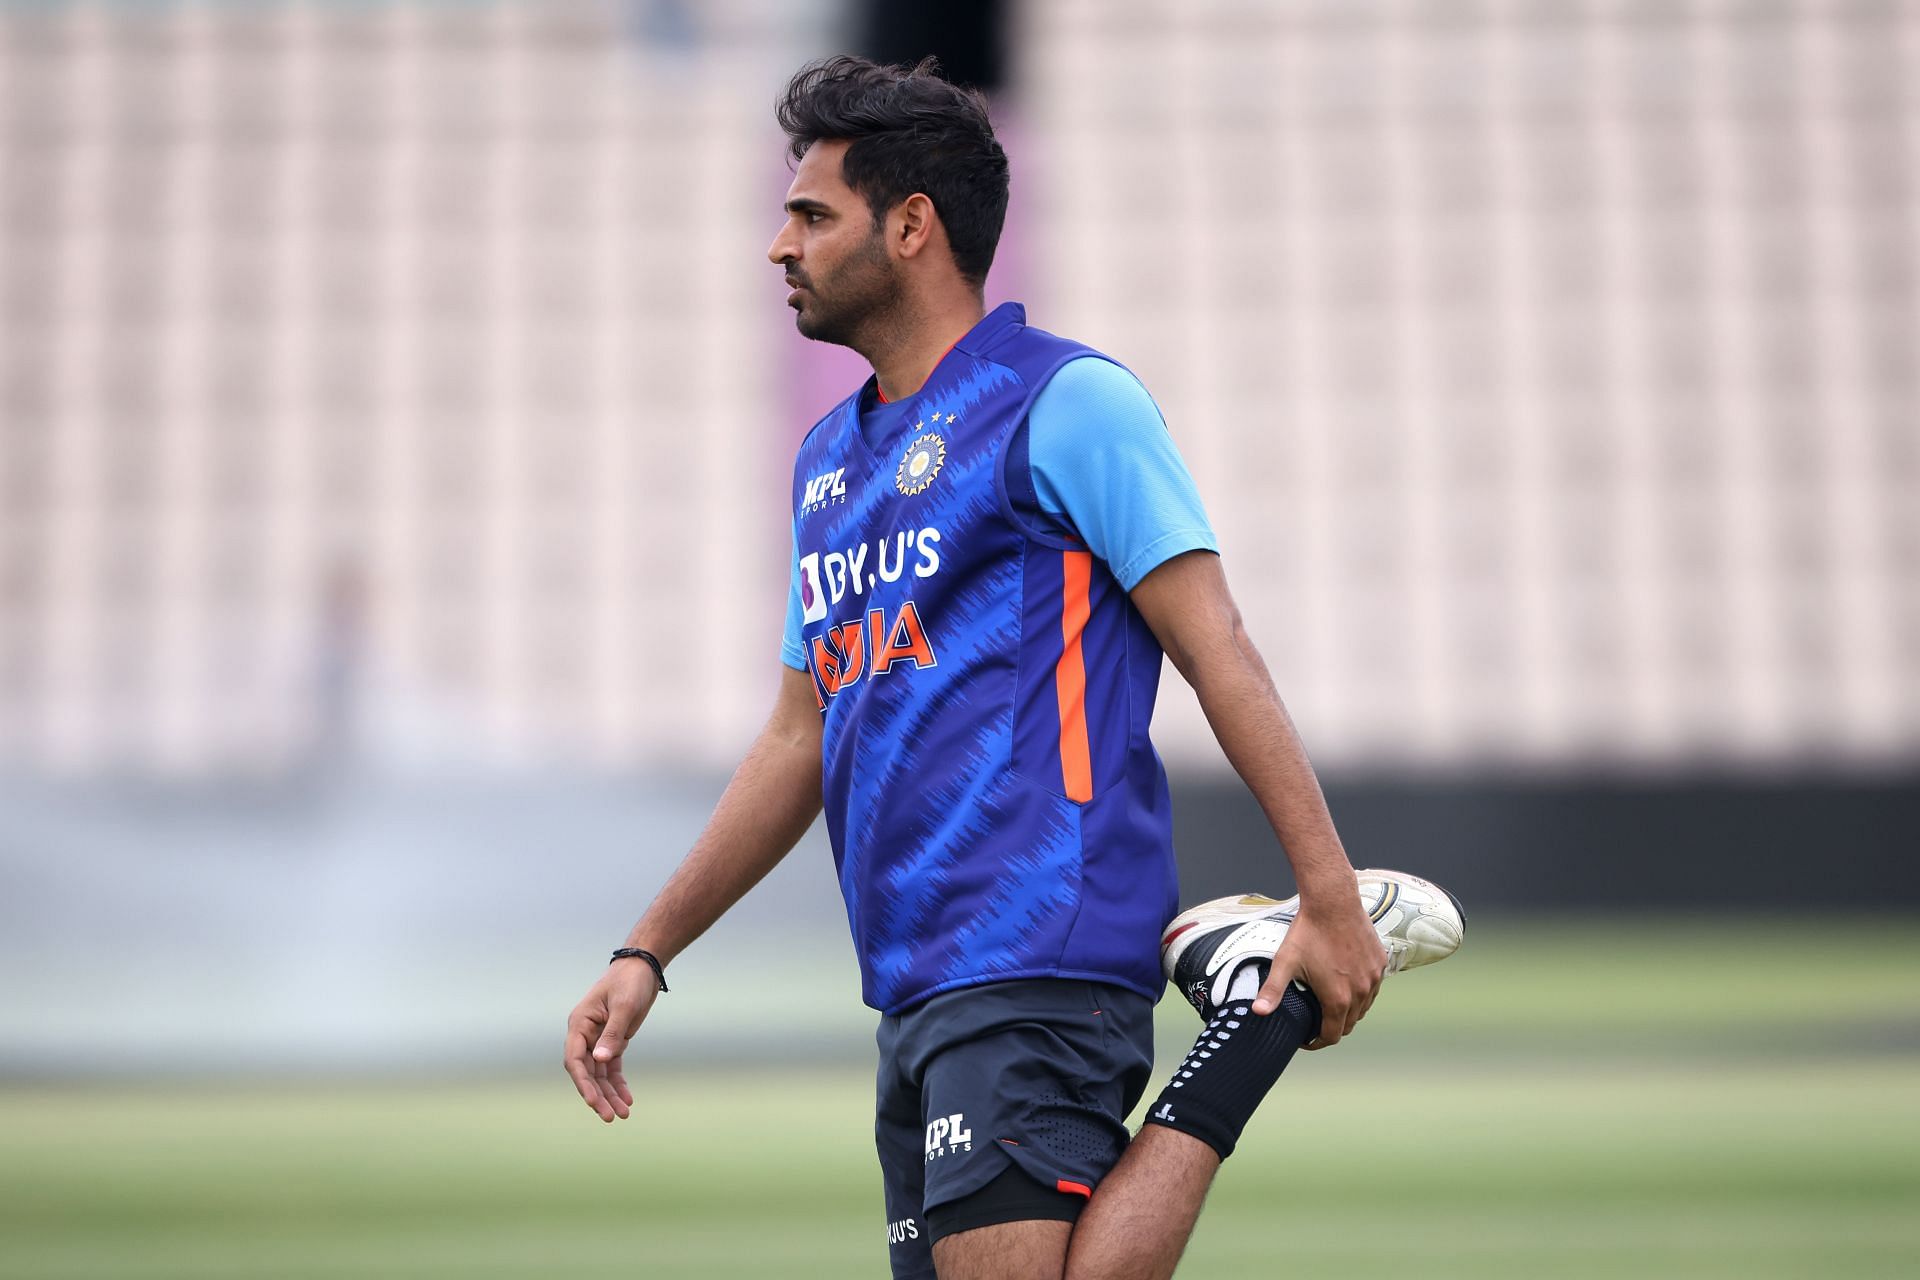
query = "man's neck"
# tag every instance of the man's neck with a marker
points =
(906, 363)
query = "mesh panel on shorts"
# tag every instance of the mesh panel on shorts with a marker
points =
(1071, 1129)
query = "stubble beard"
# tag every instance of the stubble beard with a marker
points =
(864, 294)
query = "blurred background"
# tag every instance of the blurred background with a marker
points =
(396, 419)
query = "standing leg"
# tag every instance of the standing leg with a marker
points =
(1138, 1222)
(1033, 1250)
(1135, 1227)
(1143, 1212)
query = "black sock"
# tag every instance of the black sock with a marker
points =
(1231, 1067)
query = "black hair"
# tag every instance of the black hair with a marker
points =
(908, 131)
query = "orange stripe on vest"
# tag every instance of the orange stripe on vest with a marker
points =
(1070, 679)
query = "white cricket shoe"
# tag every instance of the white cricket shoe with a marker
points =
(1205, 946)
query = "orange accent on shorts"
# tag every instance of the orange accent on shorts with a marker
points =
(1070, 678)
(1074, 1188)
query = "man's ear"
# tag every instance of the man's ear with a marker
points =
(912, 224)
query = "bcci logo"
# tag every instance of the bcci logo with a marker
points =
(923, 460)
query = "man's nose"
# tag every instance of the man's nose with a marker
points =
(782, 251)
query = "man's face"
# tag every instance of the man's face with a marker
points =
(835, 255)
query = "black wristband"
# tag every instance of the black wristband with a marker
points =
(653, 962)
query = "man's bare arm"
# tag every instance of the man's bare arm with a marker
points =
(772, 799)
(1332, 947)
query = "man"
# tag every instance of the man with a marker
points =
(994, 542)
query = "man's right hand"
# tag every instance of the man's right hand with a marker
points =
(773, 798)
(598, 1030)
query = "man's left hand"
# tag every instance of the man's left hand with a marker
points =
(1335, 951)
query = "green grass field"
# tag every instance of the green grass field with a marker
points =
(1570, 1102)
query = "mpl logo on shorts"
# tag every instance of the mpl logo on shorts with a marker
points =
(947, 1135)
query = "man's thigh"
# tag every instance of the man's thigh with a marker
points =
(1007, 1251)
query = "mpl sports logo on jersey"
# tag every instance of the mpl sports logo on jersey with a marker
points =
(947, 1135)
(828, 489)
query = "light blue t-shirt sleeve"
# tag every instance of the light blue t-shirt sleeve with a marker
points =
(1104, 461)
(791, 651)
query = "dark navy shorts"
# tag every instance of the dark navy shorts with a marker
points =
(1035, 1075)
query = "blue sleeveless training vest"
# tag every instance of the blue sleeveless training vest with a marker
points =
(995, 807)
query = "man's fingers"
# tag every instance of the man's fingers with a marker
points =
(588, 1072)
(1338, 1003)
(1274, 989)
(574, 1056)
(618, 1079)
(608, 1076)
(1363, 998)
(1322, 1041)
(619, 1030)
(1333, 1025)
(1339, 1018)
(590, 1093)
(605, 1074)
(583, 1081)
(597, 1036)
(580, 1068)
(1365, 1003)
(612, 1045)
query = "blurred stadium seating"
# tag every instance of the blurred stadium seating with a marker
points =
(422, 340)
(405, 380)
(1551, 367)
